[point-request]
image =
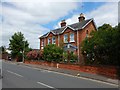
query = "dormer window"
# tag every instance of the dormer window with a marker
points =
(53, 40)
(72, 37)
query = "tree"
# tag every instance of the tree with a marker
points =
(18, 45)
(52, 53)
(2, 49)
(103, 47)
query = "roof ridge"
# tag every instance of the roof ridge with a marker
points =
(77, 25)
(79, 22)
(71, 24)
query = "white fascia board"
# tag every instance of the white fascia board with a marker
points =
(66, 28)
(49, 33)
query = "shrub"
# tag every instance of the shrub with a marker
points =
(52, 53)
(32, 55)
(103, 46)
(72, 56)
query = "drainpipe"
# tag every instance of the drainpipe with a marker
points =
(44, 44)
(78, 52)
(58, 40)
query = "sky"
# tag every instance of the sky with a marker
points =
(34, 18)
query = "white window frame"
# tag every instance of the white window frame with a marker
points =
(49, 40)
(65, 38)
(72, 39)
(42, 47)
(53, 40)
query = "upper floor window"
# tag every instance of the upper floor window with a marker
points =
(53, 40)
(49, 40)
(65, 38)
(72, 37)
(86, 33)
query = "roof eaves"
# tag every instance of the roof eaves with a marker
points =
(53, 32)
(66, 28)
(49, 33)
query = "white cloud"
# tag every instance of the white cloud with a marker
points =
(69, 21)
(41, 1)
(107, 13)
(28, 17)
(119, 12)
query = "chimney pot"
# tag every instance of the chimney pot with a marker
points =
(63, 23)
(82, 17)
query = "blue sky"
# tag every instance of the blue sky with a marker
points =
(34, 19)
(82, 8)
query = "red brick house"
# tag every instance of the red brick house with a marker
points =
(73, 34)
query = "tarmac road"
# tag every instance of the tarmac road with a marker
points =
(19, 76)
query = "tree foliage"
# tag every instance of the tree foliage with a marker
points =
(2, 49)
(52, 53)
(18, 45)
(103, 47)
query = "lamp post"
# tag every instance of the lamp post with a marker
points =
(23, 56)
(23, 50)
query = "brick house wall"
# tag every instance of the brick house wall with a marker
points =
(79, 36)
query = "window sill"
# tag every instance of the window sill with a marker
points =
(65, 42)
(72, 41)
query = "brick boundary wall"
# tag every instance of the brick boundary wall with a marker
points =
(108, 71)
(4, 56)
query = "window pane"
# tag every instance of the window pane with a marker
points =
(48, 40)
(72, 37)
(65, 38)
(53, 40)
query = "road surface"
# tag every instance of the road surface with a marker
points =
(20, 76)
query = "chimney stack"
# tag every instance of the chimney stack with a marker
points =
(82, 17)
(63, 23)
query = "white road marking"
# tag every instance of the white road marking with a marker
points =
(73, 76)
(76, 76)
(47, 85)
(14, 73)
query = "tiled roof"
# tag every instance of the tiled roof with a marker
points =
(75, 26)
(80, 25)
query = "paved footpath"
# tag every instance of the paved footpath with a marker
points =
(72, 72)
